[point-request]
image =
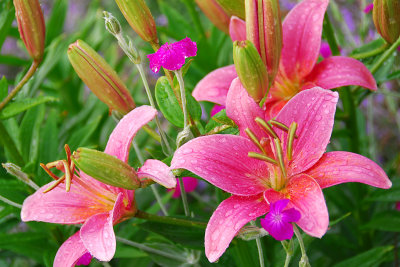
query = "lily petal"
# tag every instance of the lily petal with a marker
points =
(339, 71)
(237, 29)
(341, 167)
(157, 171)
(222, 160)
(120, 139)
(242, 109)
(70, 252)
(59, 206)
(314, 111)
(230, 216)
(214, 86)
(301, 30)
(97, 232)
(305, 196)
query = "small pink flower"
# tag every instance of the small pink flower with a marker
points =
(189, 183)
(216, 109)
(278, 221)
(325, 50)
(368, 8)
(172, 56)
(85, 259)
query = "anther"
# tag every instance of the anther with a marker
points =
(254, 139)
(68, 175)
(280, 125)
(279, 153)
(262, 157)
(266, 127)
(290, 139)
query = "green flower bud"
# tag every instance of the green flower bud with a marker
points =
(112, 24)
(101, 79)
(106, 168)
(233, 7)
(139, 17)
(250, 69)
(386, 15)
(31, 26)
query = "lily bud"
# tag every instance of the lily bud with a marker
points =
(106, 168)
(215, 13)
(112, 24)
(264, 30)
(250, 69)
(31, 26)
(386, 15)
(139, 17)
(233, 7)
(102, 80)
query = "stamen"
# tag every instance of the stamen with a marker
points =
(290, 139)
(68, 152)
(52, 164)
(68, 176)
(46, 169)
(266, 127)
(55, 184)
(255, 155)
(254, 139)
(281, 126)
(279, 153)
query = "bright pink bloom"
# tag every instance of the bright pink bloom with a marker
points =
(223, 160)
(216, 109)
(368, 8)
(298, 68)
(96, 205)
(189, 183)
(325, 50)
(278, 222)
(172, 56)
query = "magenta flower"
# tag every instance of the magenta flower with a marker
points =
(368, 8)
(96, 205)
(268, 165)
(172, 56)
(325, 50)
(298, 68)
(189, 183)
(278, 221)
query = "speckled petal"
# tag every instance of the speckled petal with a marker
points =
(70, 252)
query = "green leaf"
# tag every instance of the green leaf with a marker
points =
(128, 252)
(49, 141)
(22, 105)
(385, 221)
(6, 19)
(178, 25)
(177, 256)
(3, 88)
(221, 123)
(370, 258)
(13, 60)
(81, 136)
(55, 23)
(390, 195)
(394, 75)
(10, 147)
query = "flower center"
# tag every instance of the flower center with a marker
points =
(272, 150)
(277, 217)
(285, 88)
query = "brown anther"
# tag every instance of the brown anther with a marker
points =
(68, 152)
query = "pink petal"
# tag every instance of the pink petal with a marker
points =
(305, 196)
(325, 50)
(339, 71)
(214, 86)
(242, 109)
(301, 32)
(342, 167)
(157, 171)
(120, 139)
(97, 232)
(291, 215)
(280, 230)
(230, 216)
(186, 47)
(70, 252)
(222, 160)
(237, 29)
(59, 206)
(189, 183)
(314, 112)
(216, 109)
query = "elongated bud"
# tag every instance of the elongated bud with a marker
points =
(386, 15)
(215, 13)
(112, 24)
(264, 30)
(233, 7)
(31, 26)
(139, 17)
(102, 80)
(106, 168)
(250, 69)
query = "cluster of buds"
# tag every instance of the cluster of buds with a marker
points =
(31, 26)
(386, 15)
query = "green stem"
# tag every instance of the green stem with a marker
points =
(11, 203)
(349, 108)
(178, 74)
(169, 220)
(304, 258)
(151, 100)
(19, 86)
(330, 36)
(288, 246)
(385, 56)
(371, 53)
(184, 197)
(153, 186)
(152, 133)
(10, 146)
(259, 248)
(150, 250)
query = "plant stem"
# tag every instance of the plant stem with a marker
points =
(19, 86)
(152, 133)
(288, 246)
(184, 197)
(385, 56)
(304, 258)
(178, 74)
(149, 249)
(351, 122)
(151, 100)
(169, 220)
(153, 186)
(11, 203)
(371, 53)
(259, 248)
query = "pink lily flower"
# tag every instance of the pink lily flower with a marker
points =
(298, 69)
(96, 205)
(259, 169)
